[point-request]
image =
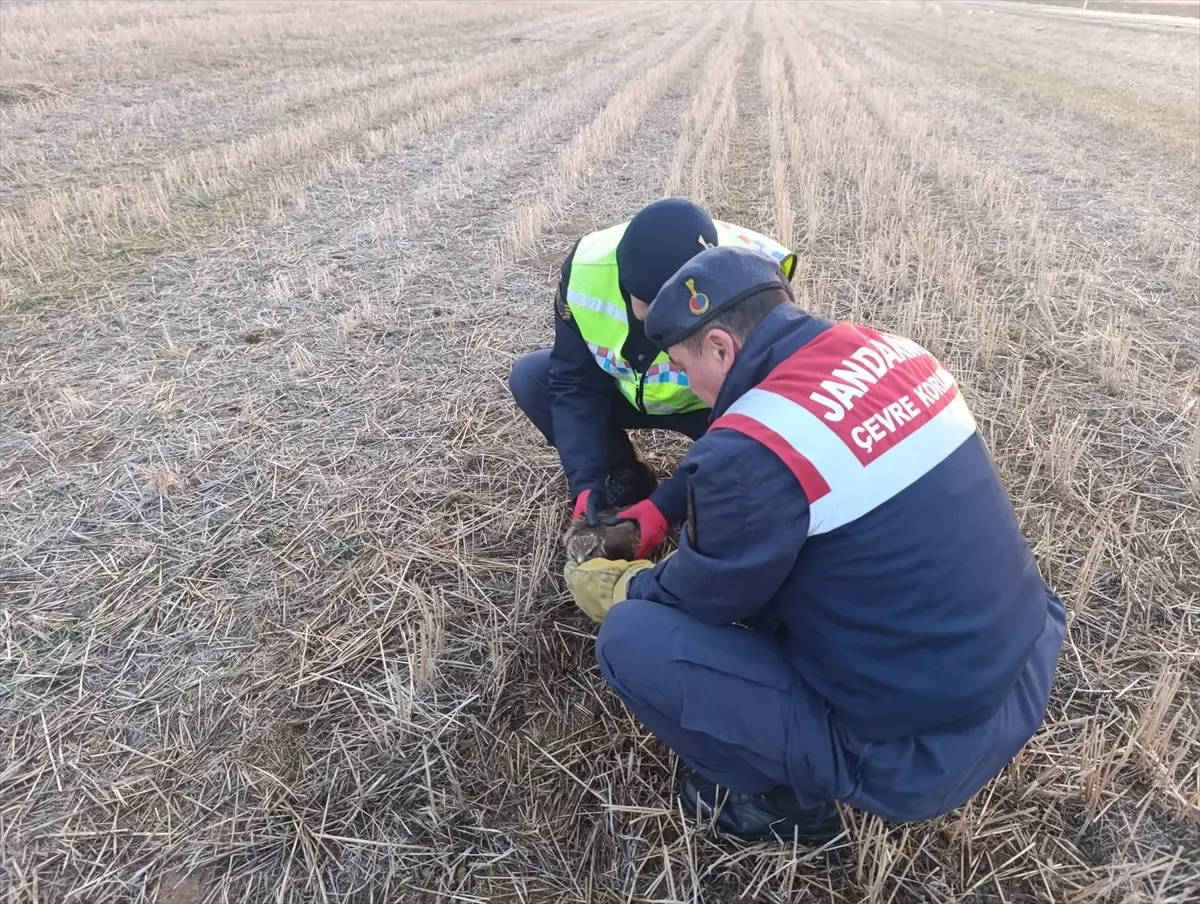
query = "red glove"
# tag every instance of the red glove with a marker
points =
(650, 521)
(581, 502)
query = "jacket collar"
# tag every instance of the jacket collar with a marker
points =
(777, 337)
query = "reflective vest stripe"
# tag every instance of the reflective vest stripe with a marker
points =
(854, 445)
(575, 297)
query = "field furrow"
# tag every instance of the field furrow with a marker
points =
(145, 127)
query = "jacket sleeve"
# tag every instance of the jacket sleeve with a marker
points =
(670, 497)
(747, 520)
(580, 400)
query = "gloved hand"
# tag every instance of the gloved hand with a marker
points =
(581, 506)
(599, 584)
(651, 523)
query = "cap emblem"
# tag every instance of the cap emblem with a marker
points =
(698, 303)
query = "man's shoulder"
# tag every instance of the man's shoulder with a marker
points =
(561, 309)
(730, 455)
(565, 269)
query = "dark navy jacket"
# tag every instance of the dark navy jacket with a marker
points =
(581, 396)
(915, 618)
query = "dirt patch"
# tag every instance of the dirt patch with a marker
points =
(177, 887)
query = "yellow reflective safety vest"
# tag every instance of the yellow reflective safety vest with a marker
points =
(597, 306)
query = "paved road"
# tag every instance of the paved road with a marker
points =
(1135, 21)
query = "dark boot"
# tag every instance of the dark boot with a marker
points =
(774, 816)
(629, 484)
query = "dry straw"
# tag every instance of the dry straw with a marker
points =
(280, 608)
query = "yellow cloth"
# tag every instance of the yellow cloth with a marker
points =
(599, 584)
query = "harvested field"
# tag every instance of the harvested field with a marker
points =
(281, 608)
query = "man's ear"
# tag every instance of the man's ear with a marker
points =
(724, 345)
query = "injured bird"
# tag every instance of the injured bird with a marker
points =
(601, 534)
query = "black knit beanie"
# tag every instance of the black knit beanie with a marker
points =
(660, 239)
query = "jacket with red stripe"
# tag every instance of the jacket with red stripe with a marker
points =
(887, 562)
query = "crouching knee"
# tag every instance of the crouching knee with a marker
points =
(529, 380)
(633, 639)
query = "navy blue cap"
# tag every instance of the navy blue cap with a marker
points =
(658, 241)
(711, 282)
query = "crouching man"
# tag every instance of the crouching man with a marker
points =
(853, 613)
(604, 377)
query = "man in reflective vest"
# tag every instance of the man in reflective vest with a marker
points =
(603, 376)
(853, 613)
